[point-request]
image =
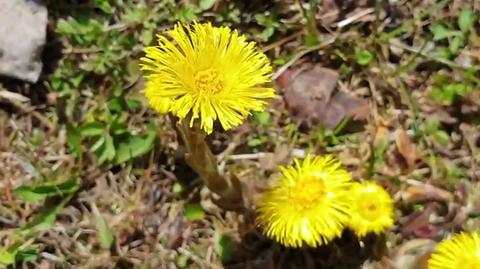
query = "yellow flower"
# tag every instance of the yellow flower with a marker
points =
(460, 251)
(372, 209)
(207, 73)
(308, 205)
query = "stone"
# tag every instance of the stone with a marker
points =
(23, 32)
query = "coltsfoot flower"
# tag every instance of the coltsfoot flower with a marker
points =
(308, 205)
(460, 251)
(208, 73)
(372, 209)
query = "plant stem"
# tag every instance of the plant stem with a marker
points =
(201, 159)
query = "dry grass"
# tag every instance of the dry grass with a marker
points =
(417, 140)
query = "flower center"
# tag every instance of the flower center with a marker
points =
(307, 194)
(369, 209)
(208, 81)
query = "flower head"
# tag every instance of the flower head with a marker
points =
(372, 209)
(207, 73)
(308, 205)
(460, 251)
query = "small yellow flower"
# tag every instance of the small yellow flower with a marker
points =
(208, 73)
(308, 205)
(372, 209)
(460, 251)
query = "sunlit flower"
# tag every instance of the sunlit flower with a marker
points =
(308, 204)
(372, 209)
(460, 251)
(206, 73)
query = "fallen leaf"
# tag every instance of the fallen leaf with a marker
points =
(329, 12)
(420, 192)
(270, 161)
(284, 80)
(434, 220)
(414, 253)
(418, 223)
(312, 99)
(406, 147)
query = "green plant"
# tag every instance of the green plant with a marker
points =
(455, 34)
(431, 129)
(446, 92)
(270, 24)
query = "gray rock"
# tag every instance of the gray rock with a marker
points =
(23, 31)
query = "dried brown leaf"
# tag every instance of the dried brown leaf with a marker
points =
(434, 220)
(420, 192)
(329, 12)
(414, 254)
(406, 147)
(270, 161)
(418, 223)
(312, 98)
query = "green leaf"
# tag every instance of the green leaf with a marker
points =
(147, 36)
(364, 57)
(133, 68)
(466, 19)
(206, 4)
(37, 137)
(134, 146)
(118, 128)
(223, 246)
(92, 129)
(182, 261)
(134, 104)
(41, 192)
(441, 137)
(98, 144)
(453, 172)
(177, 188)
(459, 88)
(262, 118)
(46, 218)
(311, 39)
(65, 27)
(449, 93)
(442, 52)
(29, 255)
(76, 80)
(194, 212)
(104, 5)
(116, 105)
(442, 95)
(456, 43)
(432, 126)
(7, 257)
(56, 82)
(74, 140)
(186, 13)
(107, 151)
(105, 234)
(135, 15)
(267, 33)
(254, 142)
(441, 31)
(345, 70)
(81, 31)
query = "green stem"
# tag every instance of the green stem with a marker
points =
(201, 159)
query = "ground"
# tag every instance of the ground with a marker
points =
(91, 177)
